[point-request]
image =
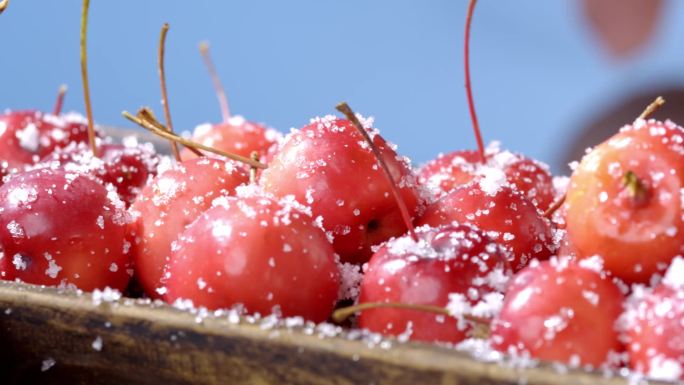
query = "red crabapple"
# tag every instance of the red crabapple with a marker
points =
(28, 136)
(560, 310)
(504, 214)
(653, 324)
(329, 166)
(625, 202)
(168, 204)
(61, 228)
(444, 262)
(127, 167)
(531, 178)
(256, 251)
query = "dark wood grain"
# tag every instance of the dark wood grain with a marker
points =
(144, 344)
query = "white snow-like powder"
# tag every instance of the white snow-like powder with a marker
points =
(47, 364)
(97, 344)
(350, 281)
(29, 137)
(674, 277)
(106, 295)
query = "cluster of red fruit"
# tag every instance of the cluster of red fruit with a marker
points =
(569, 272)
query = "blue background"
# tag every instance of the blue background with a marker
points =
(538, 73)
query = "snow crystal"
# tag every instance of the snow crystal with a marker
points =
(221, 229)
(201, 283)
(53, 268)
(591, 296)
(594, 263)
(492, 181)
(47, 364)
(106, 295)
(674, 277)
(100, 221)
(22, 196)
(663, 368)
(350, 281)
(15, 229)
(97, 343)
(19, 262)
(28, 137)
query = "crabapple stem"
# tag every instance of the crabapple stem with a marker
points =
(635, 188)
(349, 113)
(160, 130)
(341, 314)
(60, 99)
(554, 206)
(84, 77)
(3, 5)
(146, 115)
(253, 170)
(220, 91)
(653, 107)
(468, 86)
(162, 82)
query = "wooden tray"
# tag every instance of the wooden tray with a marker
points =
(157, 344)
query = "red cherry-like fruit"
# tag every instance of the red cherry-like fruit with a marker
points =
(28, 136)
(236, 135)
(259, 252)
(61, 228)
(653, 323)
(531, 178)
(449, 171)
(504, 214)
(559, 310)
(168, 204)
(126, 166)
(329, 166)
(444, 261)
(625, 202)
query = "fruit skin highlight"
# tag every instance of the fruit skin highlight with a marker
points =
(624, 201)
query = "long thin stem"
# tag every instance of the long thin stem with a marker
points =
(468, 87)
(220, 91)
(84, 77)
(347, 111)
(146, 115)
(653, 107)
(162, 82)
(60, 99)
(340, 315)
(253, 170)
(164, 133)
(554, 206)
(3, 5)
